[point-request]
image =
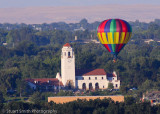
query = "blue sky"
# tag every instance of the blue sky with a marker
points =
(37, 3)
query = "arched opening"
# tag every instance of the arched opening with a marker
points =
(96, 86)
(69, 85)
(69, 54)
(90, 86)
(84, 86)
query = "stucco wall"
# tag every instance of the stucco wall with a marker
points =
(67, 65)
(73, 98)
(103, 83)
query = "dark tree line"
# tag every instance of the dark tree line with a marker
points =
(97, 106)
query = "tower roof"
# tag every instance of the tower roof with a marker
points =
(67, 45)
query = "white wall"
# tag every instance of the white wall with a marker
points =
(67, 65)
(103, 83)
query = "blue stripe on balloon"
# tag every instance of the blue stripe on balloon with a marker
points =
(110, 47)
(107, 26)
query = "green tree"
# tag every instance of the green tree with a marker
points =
(36, 97)
(1, 97)
(129, 100)
(110, 86)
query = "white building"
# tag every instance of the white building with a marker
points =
(72, 78)
(45, 84)
(83, 79)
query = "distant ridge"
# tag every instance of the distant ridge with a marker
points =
(71, 14)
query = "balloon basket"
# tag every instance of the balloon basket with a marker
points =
(114, 60)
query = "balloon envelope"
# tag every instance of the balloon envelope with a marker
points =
(114, 34)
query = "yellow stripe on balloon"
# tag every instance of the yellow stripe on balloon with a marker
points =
(110, 38)
(100, 38)
(130, 34)
(116, 37)
(104, 38)
(122, 38)
(126, 38)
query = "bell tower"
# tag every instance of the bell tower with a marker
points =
(68, 66)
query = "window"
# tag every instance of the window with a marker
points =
(69, 54)
(103, 86)
(113, 78)
(82, 78)
(116, 85)
(102, 78)
(89, 78)
(95, 78)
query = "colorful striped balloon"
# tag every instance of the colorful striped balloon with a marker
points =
(114, 34)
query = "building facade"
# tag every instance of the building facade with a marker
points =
(45, 84)
(83, 78)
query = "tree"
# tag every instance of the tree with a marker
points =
(36, 97)
(1, 97)
(123, 89)
(129, 100)
(110, 86)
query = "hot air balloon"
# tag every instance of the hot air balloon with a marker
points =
(114, 34)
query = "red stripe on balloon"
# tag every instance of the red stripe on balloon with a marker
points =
(118, 26)
(124, 26)
(117, 48)
(118, 29)
(106, 46)
(99, 28)
(124, 29)
(103, 25)
(120, 47)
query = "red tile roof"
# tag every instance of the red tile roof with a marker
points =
(45, 81)
(87, 72)
(67, 45)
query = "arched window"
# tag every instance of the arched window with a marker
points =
(102, 78)
(69, 54)
(89, 78)
(96, 86)
(95, 78)
(84, 86)
(90, 86)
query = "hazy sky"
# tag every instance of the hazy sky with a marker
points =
(48, 11)
(30, 3)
